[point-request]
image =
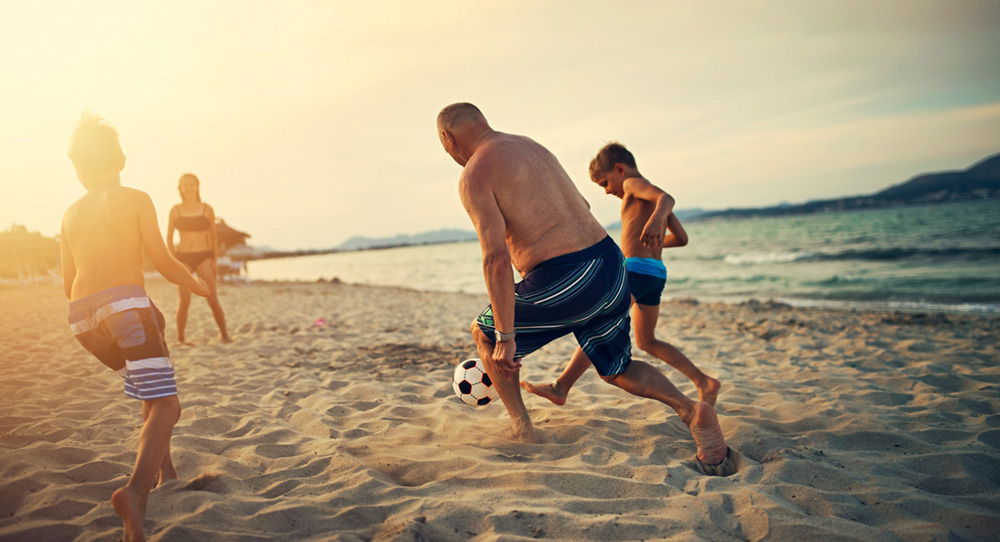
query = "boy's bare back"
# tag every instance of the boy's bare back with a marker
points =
(635, 213)
(104, 234)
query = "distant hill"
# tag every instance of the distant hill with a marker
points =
(981, 181)
(27, 254)
(427, 238)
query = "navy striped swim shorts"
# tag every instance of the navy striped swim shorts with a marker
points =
(585, 293)
(123, 328)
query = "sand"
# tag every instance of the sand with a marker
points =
(848, 426)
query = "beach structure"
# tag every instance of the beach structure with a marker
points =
(233, 250)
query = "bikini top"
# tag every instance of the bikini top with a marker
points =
(192, 222)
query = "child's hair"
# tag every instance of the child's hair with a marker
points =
(609, 155)
(94, 146)
(197, 186)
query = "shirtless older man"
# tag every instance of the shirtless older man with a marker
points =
(527, 212)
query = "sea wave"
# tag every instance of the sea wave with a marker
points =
(873, 254)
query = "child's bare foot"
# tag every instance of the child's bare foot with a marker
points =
(707, 433)
(132, 510)
(552, 391)
(709, 391)
(167, 472)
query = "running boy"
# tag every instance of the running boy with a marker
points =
(104, 235)
(648, 226)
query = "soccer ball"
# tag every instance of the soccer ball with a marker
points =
(472, 385)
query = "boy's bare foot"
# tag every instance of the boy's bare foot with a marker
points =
(132, 510)
(707, 433)
(167, 472)
(709, 391)
(552, 391)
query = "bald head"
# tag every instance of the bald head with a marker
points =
(461, 126)
(456, 116)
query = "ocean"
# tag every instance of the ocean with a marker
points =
(943, 257)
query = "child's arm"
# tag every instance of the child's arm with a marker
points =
(165, 263)
(170, 229)
(677, 236)
(68, 265)
(652, 232)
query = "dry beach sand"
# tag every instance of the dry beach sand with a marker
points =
(850, 426)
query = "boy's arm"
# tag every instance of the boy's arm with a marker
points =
(68, 265)
(170, 229)
(652, 232)
(677, 236)
(165, 263)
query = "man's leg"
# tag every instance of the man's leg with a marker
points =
(644, 380)
(559, 390)
(154, 441)
(644, 318)
(509, 391)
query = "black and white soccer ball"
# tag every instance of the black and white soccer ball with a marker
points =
(472, 385)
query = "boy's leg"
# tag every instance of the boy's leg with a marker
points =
(167, 470)
(205, 271)
(183, 302)
(154, 440)
(558, 391)
(644, 380)
(644, 318)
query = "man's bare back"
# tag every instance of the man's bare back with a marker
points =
(545, 215)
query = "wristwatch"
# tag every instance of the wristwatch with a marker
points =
(504, 337)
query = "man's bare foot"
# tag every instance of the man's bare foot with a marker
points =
(132, 510)
(709, 391)
(707, 433)
(525, 433)
(552, 391)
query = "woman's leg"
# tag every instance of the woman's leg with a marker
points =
(206, 270)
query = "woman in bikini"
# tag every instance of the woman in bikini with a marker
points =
(197, 249)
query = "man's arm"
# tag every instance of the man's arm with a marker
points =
(677, 236)
(68, 265)
(652, 232)
(165, 263)
(491, 228)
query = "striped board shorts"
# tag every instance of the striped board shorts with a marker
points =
(585, 293)
(123, 328)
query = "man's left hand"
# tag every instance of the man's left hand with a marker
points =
(503, 358)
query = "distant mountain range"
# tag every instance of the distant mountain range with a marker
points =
(428, 238)
(981, 181)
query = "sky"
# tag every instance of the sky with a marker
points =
(311, 122)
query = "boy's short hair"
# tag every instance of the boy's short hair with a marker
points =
(609, 155)
(94, 146)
